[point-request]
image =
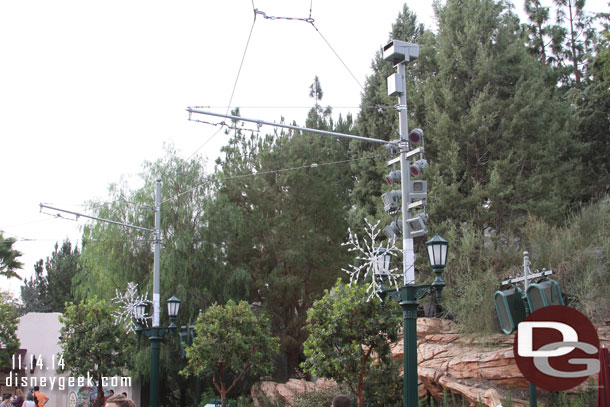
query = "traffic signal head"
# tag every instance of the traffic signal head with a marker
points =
(417, 225)
(393, 230)
(391, 201)
(392, 148)
(393, 177)
(419, 189)
(416, 136)
(417, 168)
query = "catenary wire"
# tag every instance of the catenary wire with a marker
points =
(375, 107)
(243, 58)
(312, 165)
(309, 20)
(337, 55)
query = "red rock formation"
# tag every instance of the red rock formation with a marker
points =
(463, 364)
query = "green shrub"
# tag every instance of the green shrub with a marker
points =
(580, 253)
(320, 397)
(476, 265)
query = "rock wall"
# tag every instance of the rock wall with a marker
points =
(447, 360)
(286, 392)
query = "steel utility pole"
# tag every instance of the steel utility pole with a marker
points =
(155, 339)
(408, 264)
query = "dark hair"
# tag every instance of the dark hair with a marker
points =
(36, 388)
(342, 401)
(120, 401)
(6, 397)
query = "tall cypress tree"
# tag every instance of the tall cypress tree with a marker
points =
(498, 147)
(592, 117)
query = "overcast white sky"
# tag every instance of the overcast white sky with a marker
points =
(89, 90)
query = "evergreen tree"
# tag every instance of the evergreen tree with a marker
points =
(498, 145)
(34, 291)
(50, 292)
(579, 34)
(291, 222)
(592, 118)
(544, 40)
(61, 268)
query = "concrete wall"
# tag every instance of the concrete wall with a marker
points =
(39, 334)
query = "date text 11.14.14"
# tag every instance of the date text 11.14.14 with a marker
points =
(56, 362)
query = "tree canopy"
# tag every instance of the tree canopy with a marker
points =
(8, 258)
(9, 342)
(516, 121)
(91, 343)
(50, 292)
(349, 335)
(231, 341)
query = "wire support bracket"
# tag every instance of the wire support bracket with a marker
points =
(309, 19)
(286, 126)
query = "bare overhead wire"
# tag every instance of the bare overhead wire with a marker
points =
(312, 165)
(14, 237)
(235, 83)
(311, 21)
(372, 107)
(337, 55)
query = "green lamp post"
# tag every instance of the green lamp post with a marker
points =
(155, 335)
(407, 297)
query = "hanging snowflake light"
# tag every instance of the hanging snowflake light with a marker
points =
(126, 314)
(368, 254)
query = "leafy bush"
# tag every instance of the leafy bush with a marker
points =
(319, 397)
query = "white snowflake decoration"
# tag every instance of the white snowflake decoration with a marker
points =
(367, 254)
(127, 303)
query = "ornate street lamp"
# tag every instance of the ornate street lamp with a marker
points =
(382, 262)
(140, 313)
(407, 296)
(437, 254)
(437, 251)
(156, 334)
(173, 307)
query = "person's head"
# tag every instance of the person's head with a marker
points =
(6, 397)
(341, 401)
(36, 388)
(124, 394)
(18, 392)
(491, 398)
(119, 401)
(111, 392)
